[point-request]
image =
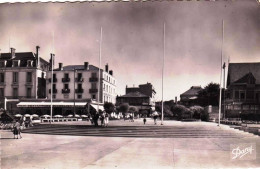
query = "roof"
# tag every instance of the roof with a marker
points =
(193, 91)
(249, 77)
(238, 70)
(134, 94)
(18, 56)
(76, 67)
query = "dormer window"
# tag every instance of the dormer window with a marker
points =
(29, 63)
(15, 63)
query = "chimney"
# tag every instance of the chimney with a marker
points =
(111, 72)
(107, 67)
(13, 52)
(86, 66)
(175, 99)
(60, 66)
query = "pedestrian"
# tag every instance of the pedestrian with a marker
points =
(17, 129)
(95, 119)
(144, 120)
(155, 119)
(106, 119)
(102, 118)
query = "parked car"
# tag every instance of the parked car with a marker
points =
(36, 120)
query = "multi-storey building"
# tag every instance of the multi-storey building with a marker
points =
(22, 75)
(243, 90)
(76, 85)
(141, 97)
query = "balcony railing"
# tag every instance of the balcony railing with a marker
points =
(54, 90)
(242, 100)
(79, 79)
(93, 90)
(79, 90)
(54, 80)
(93, 79)
(65, 91)
(65, 79)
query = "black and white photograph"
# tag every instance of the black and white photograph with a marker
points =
(131, 84)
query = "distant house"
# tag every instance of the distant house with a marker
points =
(189, 98)
(141, 97)
(243, 90)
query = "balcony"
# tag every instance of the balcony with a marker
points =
(93, 90)
(54, 91)
(79, 79)
(79, 90)
(54, 80)
(65, 79)
(65, 91)
(93, 79)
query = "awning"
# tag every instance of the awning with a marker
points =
(54, 104)
(97, 107)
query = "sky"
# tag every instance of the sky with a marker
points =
(132, 42)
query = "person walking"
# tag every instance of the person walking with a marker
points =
(106, 119)
(17, 129)
(144, 120)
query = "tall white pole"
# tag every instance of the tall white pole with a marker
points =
(163, 67)
(220, 87)
(99, 80)
(52, 64)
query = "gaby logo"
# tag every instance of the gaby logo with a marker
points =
(243, 151)
(238, 153)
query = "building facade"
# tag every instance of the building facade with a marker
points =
(141, 97)
(242, 96)
(189, 98)
(22, 76)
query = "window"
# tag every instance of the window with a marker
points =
(79, 76)
(53, 86)
(93, 96)
(242, 95)
(236, 94)
(15, 77)
(54, 76)
(29, 63)
(29, 77)
(15, 93)
(29, 92)
(66, 75)
(2, 77)
(42, 75)
(66, 86)
(79, 86)
(79, 96)
(54, 96)
(93, 85)
(93, 74)
(2, 94)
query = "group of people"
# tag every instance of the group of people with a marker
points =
(103, 116)
(19, 125)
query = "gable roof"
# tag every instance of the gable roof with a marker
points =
(238, 70)
(248, 78)
(134, 94)
(193, 91)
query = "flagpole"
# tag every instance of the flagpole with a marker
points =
(163, 67)
(52, 64)
(220, 88)
(100, 47)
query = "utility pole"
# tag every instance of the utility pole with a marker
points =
(74, 93)
(99, 80)
(163, 67)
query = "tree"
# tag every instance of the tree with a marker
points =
(109, 107)
(133, 109)
(209, 95)
(179, 111)
(124, 107)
